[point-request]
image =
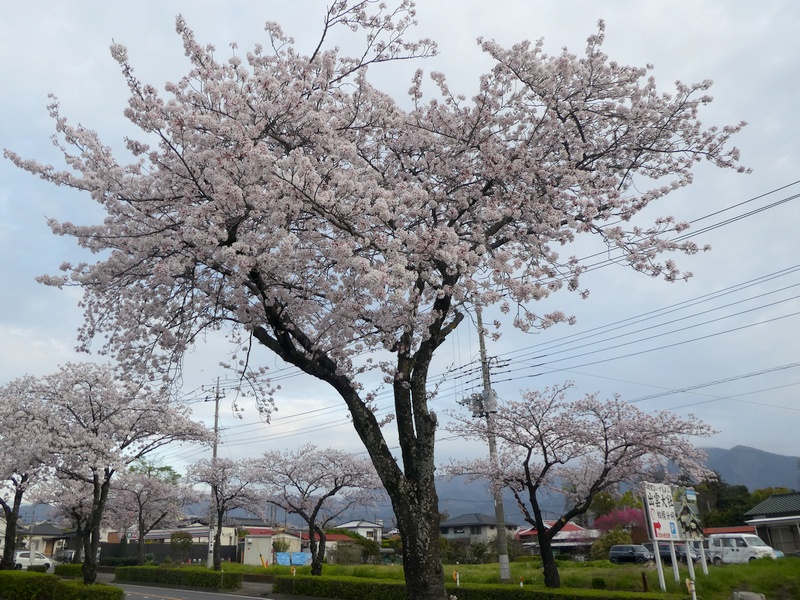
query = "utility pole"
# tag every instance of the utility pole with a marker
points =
(484, 405)
(213, 503)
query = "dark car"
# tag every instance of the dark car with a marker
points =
(64, 556)
(633, 553)
(666, 555)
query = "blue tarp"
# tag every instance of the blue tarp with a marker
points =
(293, 558)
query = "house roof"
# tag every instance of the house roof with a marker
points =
(777, 505)
(46, 529)
(570, 527)
(470, 519)
(732, 529)
(259, 531)
(330, 537)
(571, 534)
(360, 523)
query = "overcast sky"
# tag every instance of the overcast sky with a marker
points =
(723, 345)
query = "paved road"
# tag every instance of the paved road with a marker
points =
(143, 592)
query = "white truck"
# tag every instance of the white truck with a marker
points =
(736, 548)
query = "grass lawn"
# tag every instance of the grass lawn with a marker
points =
(776, 579)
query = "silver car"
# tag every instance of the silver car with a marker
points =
(23, 560)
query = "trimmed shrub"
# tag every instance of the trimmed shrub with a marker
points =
(24, 585)
(69, 570)
(355, 588)
(186, 576)
(77, 590)
(37, 569)
(344, 588)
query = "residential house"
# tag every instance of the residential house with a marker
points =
(777, 522)
(198, 531)
(45, 537)
(475, 527)
(572, 539)
(368, 529)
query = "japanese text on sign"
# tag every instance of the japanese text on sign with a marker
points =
(661, 509)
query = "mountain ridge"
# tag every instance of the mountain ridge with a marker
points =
(754, 468)
(740, 465)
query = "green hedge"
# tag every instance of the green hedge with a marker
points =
(188, 576)
(344, 588)
(77, 590)
(21, 585)
(359, 588)
(37, 569)
(69, 570)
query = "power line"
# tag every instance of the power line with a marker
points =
(460, 374)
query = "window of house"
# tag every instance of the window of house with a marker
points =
(458, 530)
(475, 530)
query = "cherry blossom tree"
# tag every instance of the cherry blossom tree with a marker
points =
(22, 457)
(581, 448)
(282, 197)
(98, 422)
(149, 497)
(231, 485)
(621, 518)
(73, 502)
(319, 486)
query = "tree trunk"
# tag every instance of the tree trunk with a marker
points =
(140, 544)
(317, 550)
(78, 557)
(91, 542)
(12, 517)
(410, 486)
(552, 579)
(419, 527)
(217, 559)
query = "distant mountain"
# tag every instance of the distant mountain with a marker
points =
(740, 465)
(457, 497)
(754, 468)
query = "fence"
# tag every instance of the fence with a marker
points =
(160, 552)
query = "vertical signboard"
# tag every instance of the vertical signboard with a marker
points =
(661, 510)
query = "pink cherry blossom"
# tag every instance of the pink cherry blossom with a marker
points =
(578, 448)
(282, 198)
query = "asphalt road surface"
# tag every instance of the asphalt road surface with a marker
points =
(143, 592)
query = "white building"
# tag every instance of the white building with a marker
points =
(368, 529)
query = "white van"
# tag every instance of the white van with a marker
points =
(736, 548)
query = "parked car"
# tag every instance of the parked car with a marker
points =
(64, 556)
(634, 553)
(737, 548)
(22, 559)
(666, 555)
